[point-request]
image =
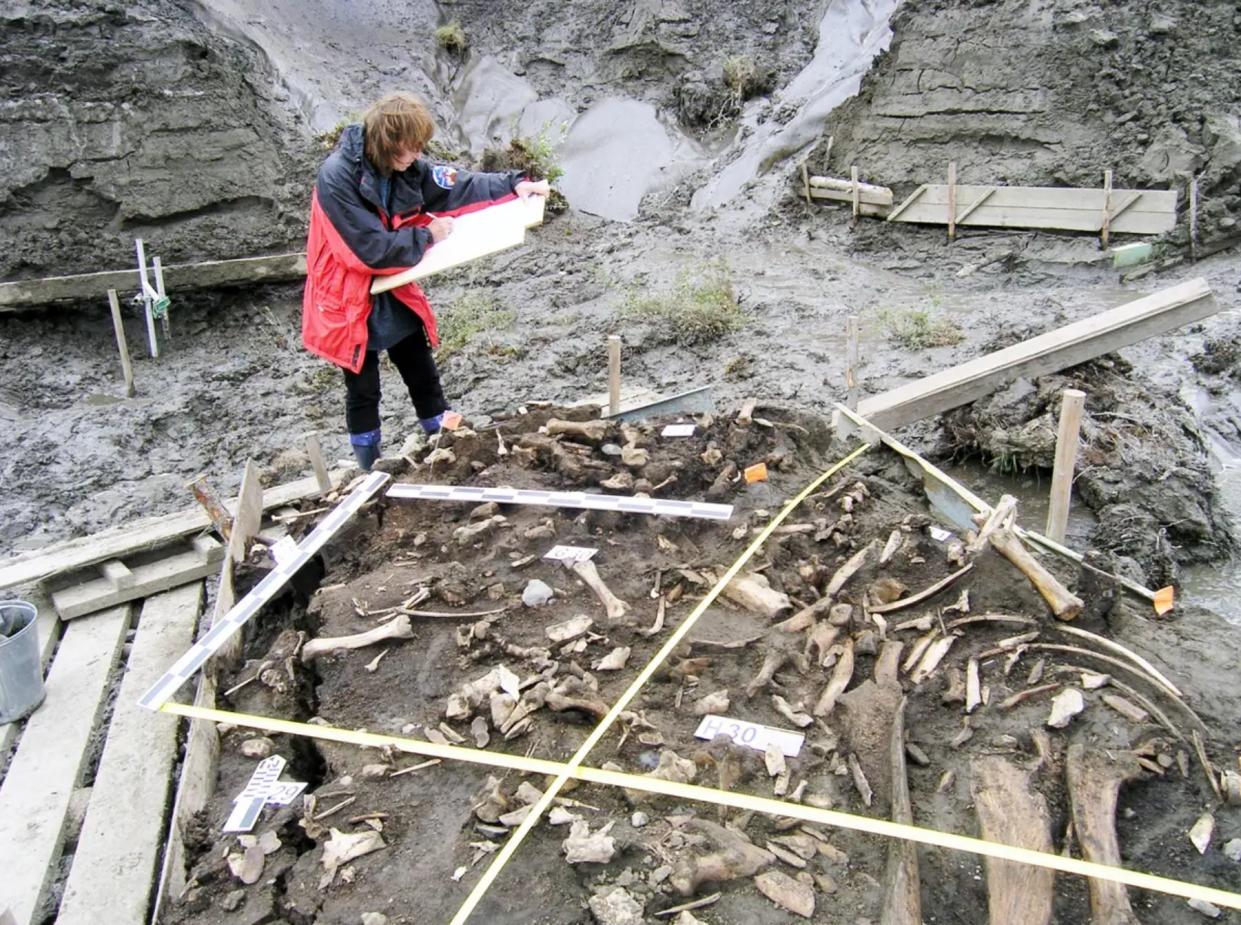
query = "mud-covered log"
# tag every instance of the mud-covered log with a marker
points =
(1095, 777)
(902, 890)
(1012, 812)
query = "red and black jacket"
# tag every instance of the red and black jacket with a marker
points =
(352, 239)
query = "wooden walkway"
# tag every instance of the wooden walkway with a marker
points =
(114, 862)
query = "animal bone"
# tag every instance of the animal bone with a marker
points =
(397, 628)
(733, 857)
(841, 677)
(613, 605)
(753, 592)
(594, 431)
(1067, 704)
(716, 703)
(772, 662)
(849, 569)
(561, 702)
(586, 847)
(614, 660)
(1095, 777)
(784, 709)
(468, 534)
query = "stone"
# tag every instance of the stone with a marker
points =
(374, 918)
(639, 819)
(537, 593)
(1104, 38)
(232, 902)
(1210, 910)
(259, 747)
(787, 893)
(1232, 850)
(1067, 704)
(614, 906)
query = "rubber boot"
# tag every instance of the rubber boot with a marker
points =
(365, 448)
(431, 425)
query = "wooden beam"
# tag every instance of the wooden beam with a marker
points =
(614, 373)
(151, 578)
(869, 192)
(1072, 406)
(1083, 340)
(249, 516)
(34, 798)
(1105, 225)
(314, 450)
(118, 327)
(952, 200)
(140, 536)
(114, 865)
(852, 327)
(855, 192)
(1057, 208)
(25, 293)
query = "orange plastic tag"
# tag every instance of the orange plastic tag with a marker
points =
(451, 420)
(756, 473)
(1163, 600)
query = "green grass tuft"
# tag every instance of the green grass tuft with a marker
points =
(919, 328)
(694, 311)
(473, 314)
(451, 38)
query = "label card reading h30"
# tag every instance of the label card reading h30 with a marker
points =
(752, 735)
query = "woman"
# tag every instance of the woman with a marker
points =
(376, 208)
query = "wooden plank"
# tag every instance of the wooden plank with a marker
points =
(314, 450)
(864, 198)
(1067, 439)
(151, 533)
(117, 574)
(1091, 337)
(1144, 211)
(202, 752)
(150, 578)
(475, 235)
(249, 513)
(118, 328)
(25, 293)
(869, 192)
(115, 862)
(34, 799)
(48, 627)
(614, 373)
(1011, 811)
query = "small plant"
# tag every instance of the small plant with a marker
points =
(472, 314)
(329, 138)
(451, 38)
(741, 75)
(918, 328)
(693, 311)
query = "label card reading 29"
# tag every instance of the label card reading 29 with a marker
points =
(752, 735)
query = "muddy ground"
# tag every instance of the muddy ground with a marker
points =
(438, 820)
(195, 126)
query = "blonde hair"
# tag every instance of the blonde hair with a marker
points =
(397, 123)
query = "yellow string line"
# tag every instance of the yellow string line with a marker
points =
(743, 801)
(514, 841)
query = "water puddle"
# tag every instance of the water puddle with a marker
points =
(851, 34)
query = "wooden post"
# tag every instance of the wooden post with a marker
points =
(206, 496)
(315, 452)
(1106, 226)
(614, 360)
(952, 200)
(1193, 218)
(127, 369)
(249, 514)
(1071, 409)
(143, 287)
(851, 361)
(857, 193)
(805, 183)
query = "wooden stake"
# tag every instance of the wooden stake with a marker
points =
(805, 183)
(315, 451)
(614, 363)
(220, 518)
(952, 200)
(249, 514)
(127, 369)
(1193, 218)
(1107, 205)
(144, 285)
(159, 287)
(857, 192)
(851, 362)
(1067, 439)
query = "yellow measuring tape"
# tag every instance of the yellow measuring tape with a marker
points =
(562, 772)
(742, 801)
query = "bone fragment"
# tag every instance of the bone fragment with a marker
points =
(1012, 812)
(396, 628)
(659, 618)
(1095, 777)
(793, 716)
(859, 780)
(586, 847)
(793, 895)
(614, 660)
(1129, 711)
(888, 662)
(773, 758)
(1064, 604)
(973, 696)
(841, 676)
(716, 703)
(593, 431)
(1202, 831)
(732, 857)
(613, 605)
(1028, 694)
(922, 595)
(773, 661)
(753, 592)
(930, 661)
(561, 702)
(849, 569)
(569, 629)
(1067, 704)
(895, 538)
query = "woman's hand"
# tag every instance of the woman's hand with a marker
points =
(440, 228)
(528, 188)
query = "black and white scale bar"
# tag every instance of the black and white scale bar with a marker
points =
(577, 499)
(196, 656)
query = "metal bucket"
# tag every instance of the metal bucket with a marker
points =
(21, 669)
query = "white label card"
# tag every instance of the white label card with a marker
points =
(938, 533)
(570, 553)
(678, 430)
(752, 735)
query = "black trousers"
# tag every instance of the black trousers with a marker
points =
(416, 364)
